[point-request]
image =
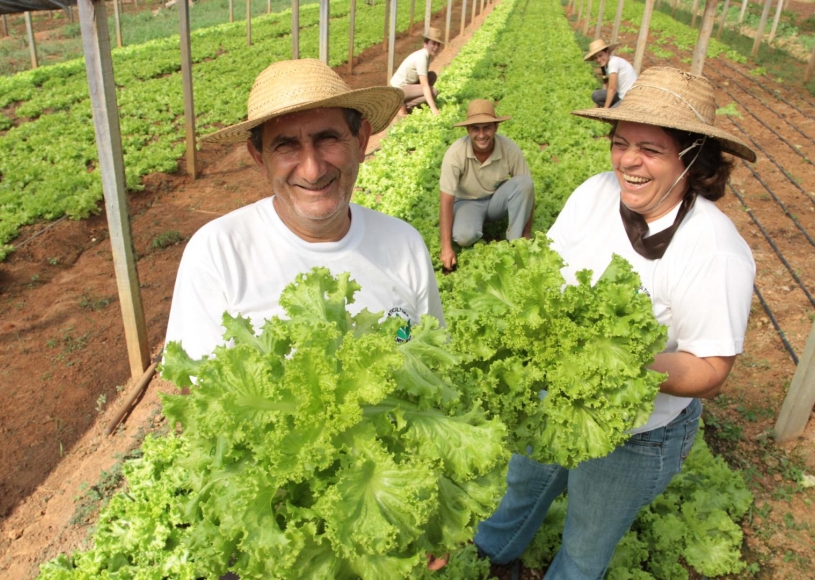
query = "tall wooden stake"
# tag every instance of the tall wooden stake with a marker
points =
(700, 52)
(186, 79)
(761, 25)
(475, 3)
(117, 23)
(587, 20)
(99, 67)
(743, 10)
(32, 46)
(324, 19)
(617, 17)
(723, 20)
(447, 21)
(295, 29)
(351, 26)
(599, 26)
(392, 40)
(580, 13)
(412, 15)
(385, 25)
(775, 21)
(642, 39)
(5, 26)
(463, 15)
(810, 67)
(695, 11)
(231, 12)
(428, 14)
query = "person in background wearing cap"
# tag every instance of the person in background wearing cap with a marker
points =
(618, 74)
(307, 132)
(414, 78)
(484, 177)
(656, 209)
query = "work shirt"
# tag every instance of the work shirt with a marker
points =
(414, 66)
(464, 176)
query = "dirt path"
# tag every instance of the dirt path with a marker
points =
(63, 360)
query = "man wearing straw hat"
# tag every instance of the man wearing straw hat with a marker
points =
(414, 78)
(307, 132)
(618, 74)
(655, 209)
(484, 178)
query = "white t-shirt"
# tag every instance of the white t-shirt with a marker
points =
(241, 262)
(414, 66)
(626, 75)
(701, 288)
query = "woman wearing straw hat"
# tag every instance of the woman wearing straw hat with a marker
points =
(618, 74)
(656, 210)
(307, 132)
(414, 78)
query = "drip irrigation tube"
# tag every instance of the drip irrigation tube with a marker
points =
(780, 332)
(42, 231)
(763, 103)
(776, 94)
(773, 246)
(771, 158)
(780, 203)
(766, 126)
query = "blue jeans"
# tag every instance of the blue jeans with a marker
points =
(605, 496)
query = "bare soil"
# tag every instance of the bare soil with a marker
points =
(64, 369)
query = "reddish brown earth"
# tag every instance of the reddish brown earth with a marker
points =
(63, 359)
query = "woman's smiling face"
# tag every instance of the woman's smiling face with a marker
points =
(647, 164)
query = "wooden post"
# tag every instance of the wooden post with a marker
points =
(580, 13)
(797, 406)
(617, 17)
(673, 8)
(481, 9)
(810, 67)
(295, 29)
(463, 15)
(475, 3)
(5, 26)
(99, 67)
(392, 40)
(385, 25)
(723, 19)
(324, 18)
(117, 23)
(642, 39)
(268, 6)
(231, 12)
(587, 20)
(761, 25)
(775, 21)
(32, 47)
(743, 10)
(447, 22)
(695, 11)
(186, 79)
(412, 15)
(248, 22)
(600, 18)
(428, 14)
(351, 26)
(702, 42)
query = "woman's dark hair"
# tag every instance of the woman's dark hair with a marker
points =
(352, 117)
(710, 172)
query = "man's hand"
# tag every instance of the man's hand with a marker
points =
(448, 258)
(434, 563)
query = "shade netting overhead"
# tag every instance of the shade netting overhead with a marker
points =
(17, 6)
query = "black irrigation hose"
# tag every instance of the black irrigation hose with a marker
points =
(764, 104)
(766, 126)
(780, 203)
(780, 332)
(772, 245)
(775, 93)
(771, 158)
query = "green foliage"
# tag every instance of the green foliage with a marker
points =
(730, 110)
(166, 239)
(522, 335)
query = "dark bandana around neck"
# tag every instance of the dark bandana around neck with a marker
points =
(652, 247)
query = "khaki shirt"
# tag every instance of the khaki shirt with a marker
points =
(464, 176)
(412, 67)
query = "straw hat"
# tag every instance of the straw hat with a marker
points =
(434, 34)
(599, 45)
(480, 111)
(669, 97)
(289, 86)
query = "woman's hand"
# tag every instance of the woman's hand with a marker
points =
(434, 563)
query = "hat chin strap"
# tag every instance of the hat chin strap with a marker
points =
(698, 143)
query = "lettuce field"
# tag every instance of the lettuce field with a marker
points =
(319, 448)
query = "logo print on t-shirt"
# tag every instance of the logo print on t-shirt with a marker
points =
(403, 334)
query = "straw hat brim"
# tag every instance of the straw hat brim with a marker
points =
(430, 37)
(377, 104)
(481, 118)
(730, 143)
(591, 53)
